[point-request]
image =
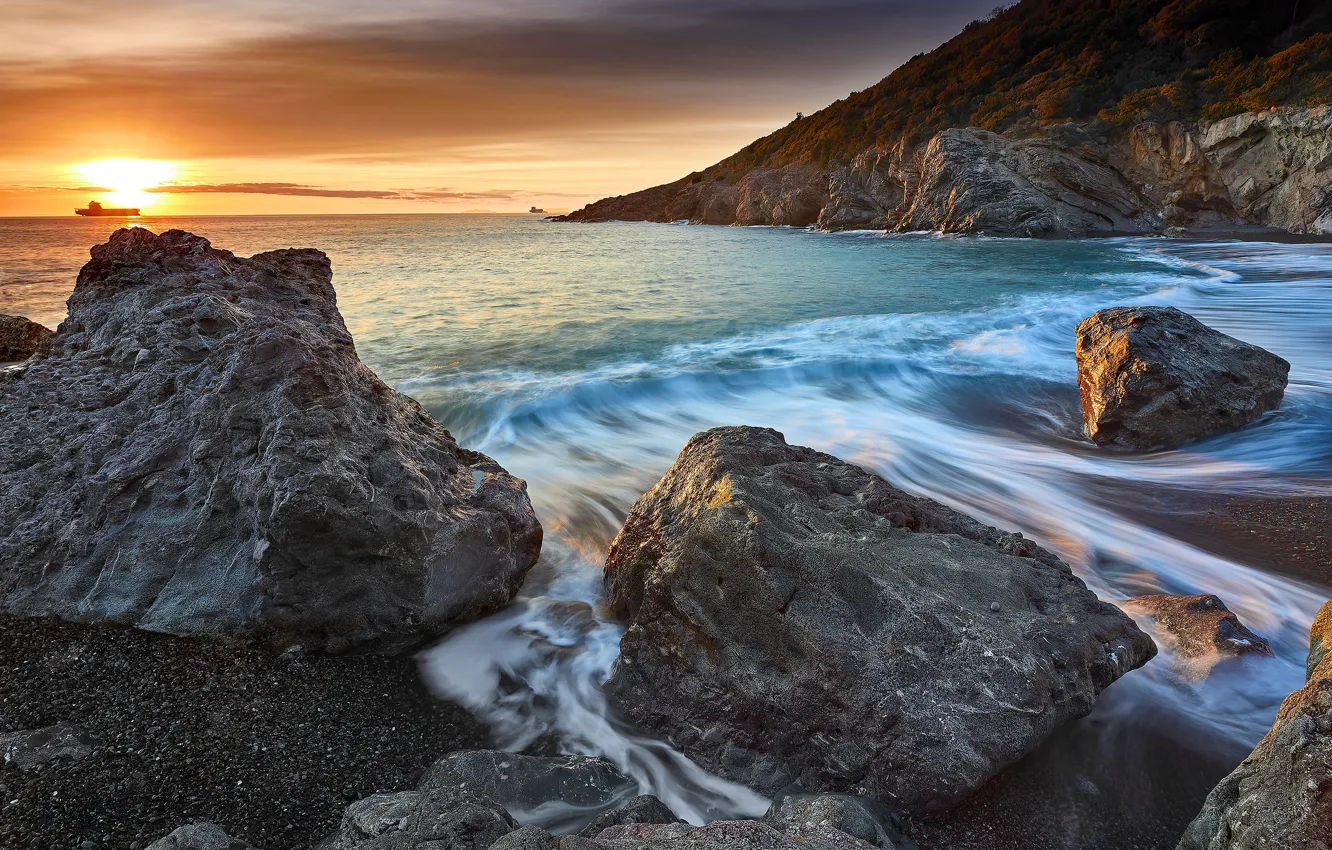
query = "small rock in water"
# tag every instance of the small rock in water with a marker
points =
(1200, 630)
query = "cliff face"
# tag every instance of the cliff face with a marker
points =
(1269, 169)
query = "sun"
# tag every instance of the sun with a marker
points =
(128, 179)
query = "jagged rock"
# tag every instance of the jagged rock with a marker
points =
(433, 818)
(1320, 639)
(551, 789)
(785, 197)
(1281, 795)
(199, 836)
(792, 617)
(527, 838)
(1200, 630)
(33, 748)
(861, 817)
(202, 452)
(1166, 164)
(1155, 377)
(1277, 166)
(21, 338)
(719, 835)
(642, 809)
(975, 181)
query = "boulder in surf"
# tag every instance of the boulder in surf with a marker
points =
(1157, 378)
(794, 618)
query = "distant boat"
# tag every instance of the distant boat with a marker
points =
(537, 210)
(95, 208)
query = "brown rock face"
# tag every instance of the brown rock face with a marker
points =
(1202, 631)
(1281, 795)
(1155, 377)
(202, 452)
(21, 338)
(792, 617)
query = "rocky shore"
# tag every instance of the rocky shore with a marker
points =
(221, 537)
(1257, 170)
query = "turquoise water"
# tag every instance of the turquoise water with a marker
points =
(583, 356)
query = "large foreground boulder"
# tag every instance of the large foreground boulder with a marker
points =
(1155, 377)
(1281, 795)
(792, 617)
(21, 338)
(202, 452)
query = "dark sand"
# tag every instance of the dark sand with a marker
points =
(271, 749)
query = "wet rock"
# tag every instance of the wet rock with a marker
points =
(433, 818)
(862, 817)
(21, 338)
(527, 838)
(202, 452)
(548, 790)
(199, 836)
(34, 748)
(1281, 795)
(1200, 630)
(1155, 377)
(792, 617)
(644, 809)
(731, 835)
(638, 832)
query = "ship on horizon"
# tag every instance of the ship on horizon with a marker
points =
(95, 208)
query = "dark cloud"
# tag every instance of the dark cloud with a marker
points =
(421, 87)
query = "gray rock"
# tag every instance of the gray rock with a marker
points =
(527, 838)
(1155, 377)
(861, 817)
(730, 835)
(250, 476)
(433, 818)
(199, 836)
(1200, 630)
(1281, 795)
(21, 338)
(644, 809)
(551, 791)
(33, 748)
(792, 617)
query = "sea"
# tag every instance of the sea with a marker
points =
(582, 357)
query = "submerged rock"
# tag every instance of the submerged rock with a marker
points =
(21, 338)
(1281, 795)
(202, 452)
(1155, 377)
(1201, 630)
(34, 748)
(525, 785)
(792, 617)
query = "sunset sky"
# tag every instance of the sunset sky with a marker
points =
(334, 106)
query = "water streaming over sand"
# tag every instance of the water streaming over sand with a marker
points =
(583, 357)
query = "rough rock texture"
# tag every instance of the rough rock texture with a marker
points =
(202, 452)
(719, 835)
(199, 836)
(644, 808)
(1281, 795)
(1200, 630)
(1155, 377)
(1270, 168)
(524, 784)
(21, 338)
(792, 617)
(432, 818)
(861, 817)
(34, 748)
(1320, 639)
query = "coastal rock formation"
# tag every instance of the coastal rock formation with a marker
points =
(21, 338)
(1269, 169)
(1281, 795)
(1155, 377)
(1200, 630)
(792, 617)
(202, 452)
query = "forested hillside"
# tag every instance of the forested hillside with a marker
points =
(1112, 61)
